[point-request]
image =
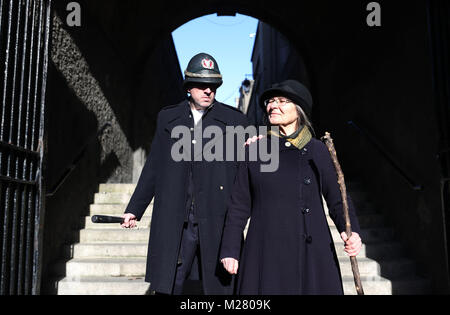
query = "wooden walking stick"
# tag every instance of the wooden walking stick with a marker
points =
(348, 229)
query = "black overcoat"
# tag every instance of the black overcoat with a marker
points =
(288, 248)
(166, 180)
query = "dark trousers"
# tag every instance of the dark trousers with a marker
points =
(188, 250)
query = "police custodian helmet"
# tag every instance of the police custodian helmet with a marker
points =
(202, 68)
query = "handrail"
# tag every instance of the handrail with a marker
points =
(413, 185)
(72, 165)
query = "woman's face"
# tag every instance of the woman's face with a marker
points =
(281, 111)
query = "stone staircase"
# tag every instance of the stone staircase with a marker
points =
(107, 259)
(384, 266)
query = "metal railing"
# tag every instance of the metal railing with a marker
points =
(69, 169)
(24, 38)
(388, 157)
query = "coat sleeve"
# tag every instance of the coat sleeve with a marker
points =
(145, 188)
(332, 193)
(238, 213)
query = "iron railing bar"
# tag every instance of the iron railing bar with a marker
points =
(1, 26)
(23, 72)
(5, 260)
(3, 107)
(37, 244)
(413, 185)
(34, 138)
(17, 180)
(29, 245)
(72, 166)
(17, 106)
(40, 211)
(5, 248)
(19, 149)
(1, 19)
(2, 216)
(30, 75)
(5, 72)
(13, 258)
(2, 213)
(22, 239)
(14, 73)
(28, 165)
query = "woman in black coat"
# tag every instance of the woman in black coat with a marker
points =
(288, 248)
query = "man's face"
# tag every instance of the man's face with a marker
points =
(202, 95)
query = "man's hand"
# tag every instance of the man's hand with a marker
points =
(231, 265)
(353, 244)
(129, 221)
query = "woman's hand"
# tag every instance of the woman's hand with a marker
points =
(231, 265)
(353, 244)
(253, 139)
(129, 221)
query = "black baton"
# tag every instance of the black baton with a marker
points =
(106, 219)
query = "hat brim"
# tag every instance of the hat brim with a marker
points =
(273, 92)
(193, 81)
(278, 92)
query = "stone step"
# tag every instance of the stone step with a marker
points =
(102, 267)
(368, 235)
(88, 224)
(117, 188)
(107, 259)
(114, 209)
(376, 251)
(382, 286)
(371, 285)
(103, 286)
(367, 267)
(103, 250)
(396, 268)
(113, 235)
(111, 197)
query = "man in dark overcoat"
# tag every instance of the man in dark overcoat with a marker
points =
(190, 194)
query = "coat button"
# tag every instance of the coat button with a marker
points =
(304, 151)
(308, 239)
(305, 210)
(307, 181)
(288, 144)
(194, 141)
(221, 187)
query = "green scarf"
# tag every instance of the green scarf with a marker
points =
(299, 138)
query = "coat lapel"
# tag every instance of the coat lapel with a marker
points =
(179, 117)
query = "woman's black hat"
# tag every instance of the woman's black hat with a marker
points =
(292, 89)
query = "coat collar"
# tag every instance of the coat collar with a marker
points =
(214, 115)
(285, 145)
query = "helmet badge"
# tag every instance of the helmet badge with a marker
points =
(207, 63)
